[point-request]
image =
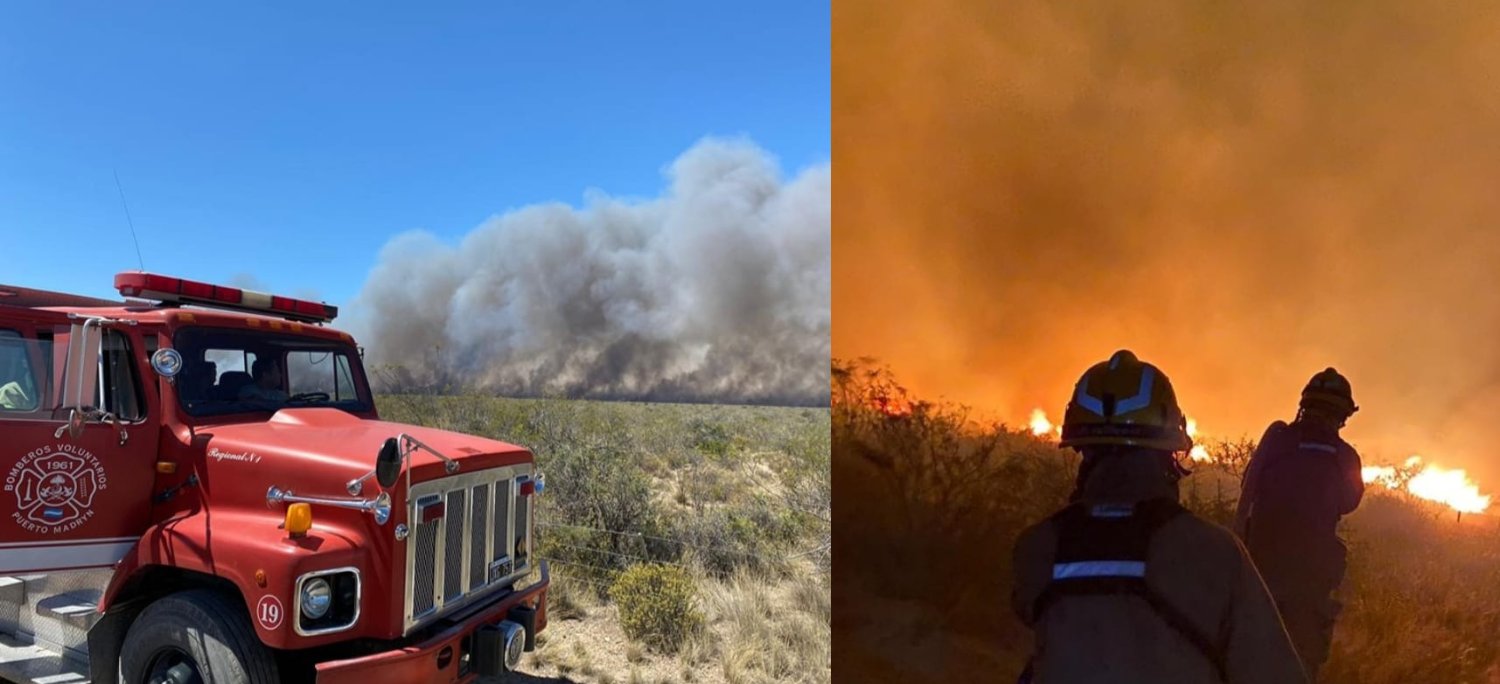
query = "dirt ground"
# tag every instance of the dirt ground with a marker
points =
(592, 649)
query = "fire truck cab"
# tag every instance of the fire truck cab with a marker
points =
(198, 488)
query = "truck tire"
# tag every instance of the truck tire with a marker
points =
(200, 636)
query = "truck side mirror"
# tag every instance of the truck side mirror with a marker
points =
(388, 463)
(81, 372)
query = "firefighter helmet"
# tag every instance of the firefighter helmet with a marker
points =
(1125, 401)
(1329, 389)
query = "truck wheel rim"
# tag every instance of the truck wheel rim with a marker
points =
(173, 666)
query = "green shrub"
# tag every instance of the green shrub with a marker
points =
(711, 438)
(658, 605)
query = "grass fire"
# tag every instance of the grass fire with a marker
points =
(1450, 487)
(931, 500)
(1245, 193)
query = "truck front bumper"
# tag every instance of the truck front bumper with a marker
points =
(444, 656)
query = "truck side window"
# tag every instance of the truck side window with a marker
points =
(18, 383)
(343, 379)
(119, 384)
(320, 371)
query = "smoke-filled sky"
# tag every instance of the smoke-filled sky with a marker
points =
(718, 290)
(1242, 193)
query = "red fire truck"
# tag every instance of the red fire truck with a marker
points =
(198, 488)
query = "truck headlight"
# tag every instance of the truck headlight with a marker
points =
(316, 598)
(327, 601)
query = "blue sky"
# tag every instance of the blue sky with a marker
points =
(291, 143)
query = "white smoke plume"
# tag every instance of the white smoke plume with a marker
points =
(717, 291)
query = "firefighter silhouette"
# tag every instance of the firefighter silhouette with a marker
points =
(1123, 584)
(1302, 478)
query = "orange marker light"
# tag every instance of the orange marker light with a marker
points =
(298, 519)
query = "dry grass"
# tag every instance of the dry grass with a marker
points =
(741, 495)
(930, 505)
(568, 599)
(760, 629)
(770, 635)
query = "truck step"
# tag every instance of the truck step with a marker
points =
(25, 663)
(12, 598)
(76, 608)
(51, 612)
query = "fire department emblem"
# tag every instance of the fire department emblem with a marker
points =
(55, 488)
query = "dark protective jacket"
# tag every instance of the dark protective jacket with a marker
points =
(1188, 607)
(1302, 479)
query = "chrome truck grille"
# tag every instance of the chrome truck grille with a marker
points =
(467, 547)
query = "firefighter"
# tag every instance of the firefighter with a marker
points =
(1123, 584)
(1302, 478)
(266, 385)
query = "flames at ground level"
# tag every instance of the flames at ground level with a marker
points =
(1432, 482)
(1042, 427)
(1450, 487)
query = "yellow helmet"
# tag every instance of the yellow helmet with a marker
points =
(1125, 401)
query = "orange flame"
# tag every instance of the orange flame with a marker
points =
(1198, 453)
(1381, 475)
(1040, 426)
(892, 406)
(1449, 487)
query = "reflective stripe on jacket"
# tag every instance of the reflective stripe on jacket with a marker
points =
(1199, 568)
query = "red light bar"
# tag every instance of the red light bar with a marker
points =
(179, 291)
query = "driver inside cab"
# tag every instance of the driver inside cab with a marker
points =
(266, 379)
(13, 372)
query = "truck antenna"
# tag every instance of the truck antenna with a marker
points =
(130, 222)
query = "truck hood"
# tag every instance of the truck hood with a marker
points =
(316, 451)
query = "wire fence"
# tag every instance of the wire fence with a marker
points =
(598, 566)
(575, 564)
(616, 554)
(572, 577)
(707, 548)
(590, 563)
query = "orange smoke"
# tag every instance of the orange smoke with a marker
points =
(1228, 199)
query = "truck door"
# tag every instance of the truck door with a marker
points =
(72, 498)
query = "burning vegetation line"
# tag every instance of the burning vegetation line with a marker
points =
(1450, 487)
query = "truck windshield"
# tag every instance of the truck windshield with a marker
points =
(235, 371)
